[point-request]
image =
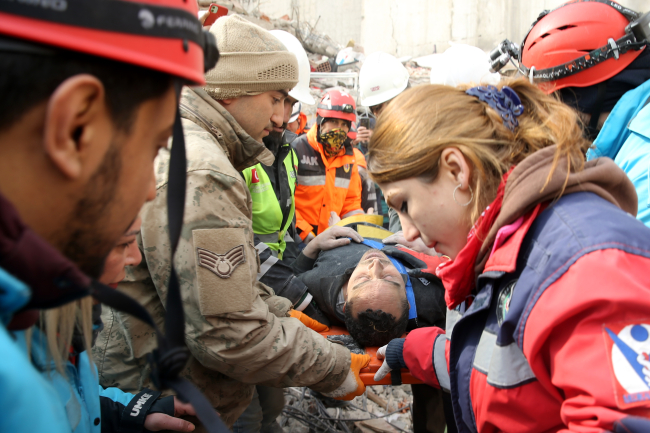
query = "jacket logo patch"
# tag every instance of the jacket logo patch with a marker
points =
(503, 303)
(346, 168)
(254, 177)
(309, 160)
(222, 265)
(628, 346)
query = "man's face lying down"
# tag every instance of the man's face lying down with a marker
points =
(376, 309)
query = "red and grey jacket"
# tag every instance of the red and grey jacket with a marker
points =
(557, 337)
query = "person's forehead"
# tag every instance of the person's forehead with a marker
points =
(381, 293)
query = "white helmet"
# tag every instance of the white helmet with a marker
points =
(462, 64)
(382, 77)
(301, 91)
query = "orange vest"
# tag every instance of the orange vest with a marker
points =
(324, 185)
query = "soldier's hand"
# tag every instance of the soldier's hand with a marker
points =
(161, 421)
(331, 238)
(308, 321)
(352, 386)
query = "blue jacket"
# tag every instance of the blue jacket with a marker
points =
(35, 397)
(29, 402)
(78, 391)
(625, 138)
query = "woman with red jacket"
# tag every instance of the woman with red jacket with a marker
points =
(547, 289)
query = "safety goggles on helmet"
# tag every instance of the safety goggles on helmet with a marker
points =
(633, 27)
(337, 104)
(345, 108)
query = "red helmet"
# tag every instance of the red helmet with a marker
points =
(163, 35)
(337, 104)
(572, 31)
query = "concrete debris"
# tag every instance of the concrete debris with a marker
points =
(305, 413)
(324, 53)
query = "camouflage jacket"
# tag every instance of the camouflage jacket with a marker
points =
(236, 328)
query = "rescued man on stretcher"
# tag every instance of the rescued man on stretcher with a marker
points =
(377, 291)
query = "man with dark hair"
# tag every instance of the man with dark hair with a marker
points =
(378, 292)
(375, 294)
(86, 102)
(370, 328)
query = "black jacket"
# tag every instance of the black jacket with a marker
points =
(325, 276)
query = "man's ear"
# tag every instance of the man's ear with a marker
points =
(75, 118)
(454, 166)
(226, 101)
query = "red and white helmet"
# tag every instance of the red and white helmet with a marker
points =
(337, 104)
(576, 45)
(163, 35)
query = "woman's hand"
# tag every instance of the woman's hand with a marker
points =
(331, 238)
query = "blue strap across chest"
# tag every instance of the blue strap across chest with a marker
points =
(410, 296)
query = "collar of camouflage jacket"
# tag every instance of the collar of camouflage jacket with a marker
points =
(242, 149)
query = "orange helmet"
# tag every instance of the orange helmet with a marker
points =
(579, 44)
(163, 35)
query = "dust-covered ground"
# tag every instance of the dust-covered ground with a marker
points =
(380, 409)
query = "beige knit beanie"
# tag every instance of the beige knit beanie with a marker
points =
(252, 61)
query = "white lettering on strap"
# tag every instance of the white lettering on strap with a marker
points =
(138, 406)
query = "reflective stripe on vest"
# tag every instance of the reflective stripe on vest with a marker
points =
(270, 238)
(312, 180)
(505, 366)
(453, 316)
(440, 362)
(341, 183)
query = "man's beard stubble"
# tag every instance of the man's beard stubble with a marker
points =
(89, 241)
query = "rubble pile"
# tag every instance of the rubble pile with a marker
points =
(383, 409)
(322, 50)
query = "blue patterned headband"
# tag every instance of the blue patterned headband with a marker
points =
(505, 101)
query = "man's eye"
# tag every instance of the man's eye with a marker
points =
(404, 208)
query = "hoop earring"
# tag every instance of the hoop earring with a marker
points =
(470, 199)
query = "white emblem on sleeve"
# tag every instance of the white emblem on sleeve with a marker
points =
(222, 265)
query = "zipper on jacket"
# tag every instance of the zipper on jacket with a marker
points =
(203, 120)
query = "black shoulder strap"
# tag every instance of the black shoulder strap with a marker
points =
(171, 356)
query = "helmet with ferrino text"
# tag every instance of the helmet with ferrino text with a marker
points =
(162, 35)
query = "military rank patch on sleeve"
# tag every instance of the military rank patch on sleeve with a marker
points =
(222, 265)
(224, 272)
(628, 349)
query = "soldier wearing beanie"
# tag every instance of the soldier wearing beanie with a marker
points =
(239, 333)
